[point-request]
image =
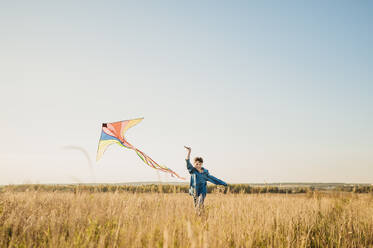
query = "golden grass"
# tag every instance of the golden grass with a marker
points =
(65, 219)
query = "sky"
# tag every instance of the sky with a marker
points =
(264, 91)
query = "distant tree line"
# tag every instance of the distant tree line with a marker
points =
(169, 188)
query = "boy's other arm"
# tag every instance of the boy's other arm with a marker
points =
(215, 180)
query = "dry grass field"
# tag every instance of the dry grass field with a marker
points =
(124, 219)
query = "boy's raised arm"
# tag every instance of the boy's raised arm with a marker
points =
(189, 150)
(189, 165)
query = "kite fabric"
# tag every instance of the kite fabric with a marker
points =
(113, 133)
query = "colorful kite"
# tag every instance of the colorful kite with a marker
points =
(113, 133)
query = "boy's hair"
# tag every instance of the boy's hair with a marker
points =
(199, 159)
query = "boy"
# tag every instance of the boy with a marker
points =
(199, 176)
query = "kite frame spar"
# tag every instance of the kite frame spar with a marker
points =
(113, 133)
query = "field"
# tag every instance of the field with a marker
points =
(113, 218)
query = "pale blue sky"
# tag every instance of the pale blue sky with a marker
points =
(264, 91)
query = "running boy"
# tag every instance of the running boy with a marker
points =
(199, 176)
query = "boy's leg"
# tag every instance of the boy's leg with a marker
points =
(201, 200)
(196, 195)
(199, 204)
(197, 199)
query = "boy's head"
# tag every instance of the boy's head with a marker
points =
(198, 162)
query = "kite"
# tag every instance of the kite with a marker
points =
(113, 133)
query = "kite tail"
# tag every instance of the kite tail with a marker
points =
(147, 160)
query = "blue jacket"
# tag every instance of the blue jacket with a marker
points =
(198, 181)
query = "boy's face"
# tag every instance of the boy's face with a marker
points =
(198, 165)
